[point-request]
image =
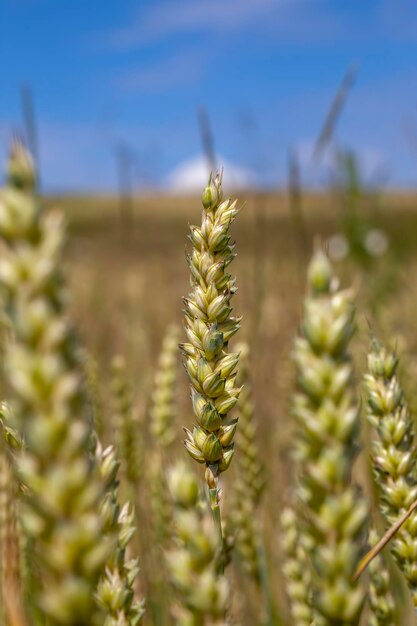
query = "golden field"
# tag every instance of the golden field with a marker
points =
(127, 281)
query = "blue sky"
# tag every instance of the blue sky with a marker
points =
(266, 70)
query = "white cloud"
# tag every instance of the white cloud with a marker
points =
(192, 175)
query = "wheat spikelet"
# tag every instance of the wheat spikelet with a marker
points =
(327, 413)
(10, 435)
(61, 514)
(394, 455)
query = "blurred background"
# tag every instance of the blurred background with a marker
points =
(149, 77)
(310, 106)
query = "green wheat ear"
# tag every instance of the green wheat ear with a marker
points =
(126, 424)
(63, 489)
(327, 413)
(193, 559)
(250, 479)
(164, 411)
(163, 417)
(250, 470)
(209, 327)
(394, 455)
(115, 592)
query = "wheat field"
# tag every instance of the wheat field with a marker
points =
(104, 518)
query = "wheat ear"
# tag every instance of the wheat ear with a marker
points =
(61, 515)
(394, 455)
(249, 487)
(328, 417)
(163, 410)
(115, 592)
(193, 561)
(209, 326)
(126, 424)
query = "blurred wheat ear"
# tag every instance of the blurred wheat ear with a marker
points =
(128, 429)
(115, 592)
(331, 508)
(163, 417)
(62, 487)
(193, 560)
